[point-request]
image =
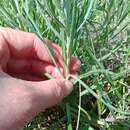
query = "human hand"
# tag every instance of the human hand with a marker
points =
(23, 94)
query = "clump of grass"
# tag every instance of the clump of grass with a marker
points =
(97, 32)
(66, 19)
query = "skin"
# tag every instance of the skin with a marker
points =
(24, 92)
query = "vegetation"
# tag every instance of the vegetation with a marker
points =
(98, 33)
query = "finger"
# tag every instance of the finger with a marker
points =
(35, 67)
(49, 93)
(23, 44)
(27, 77)
(28, 65)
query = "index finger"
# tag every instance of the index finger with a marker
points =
(25, 45)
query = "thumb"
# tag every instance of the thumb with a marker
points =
(50, 92)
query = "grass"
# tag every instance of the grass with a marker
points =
(98, 33)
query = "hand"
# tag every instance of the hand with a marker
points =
(23, 94)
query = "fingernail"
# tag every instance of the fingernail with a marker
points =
(75, 64)
(69, 87)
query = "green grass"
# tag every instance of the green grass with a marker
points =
(98, 33)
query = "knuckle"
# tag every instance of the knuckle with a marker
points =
(58, 90)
